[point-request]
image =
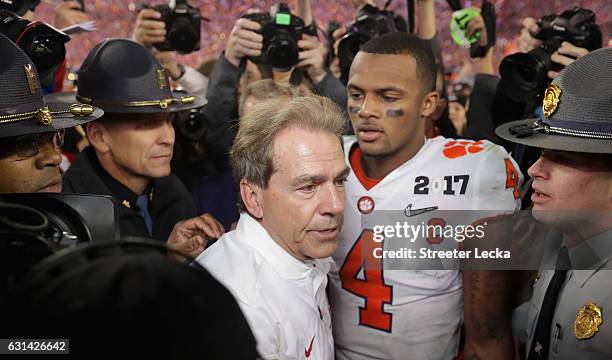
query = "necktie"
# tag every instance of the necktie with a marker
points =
(541, 338)
(143, 209)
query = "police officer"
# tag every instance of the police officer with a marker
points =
(569, 315)
(132, 144)
(31, 132)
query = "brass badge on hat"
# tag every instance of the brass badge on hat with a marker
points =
(162, 78)
(31, 76)
(587, 321)
(551, 99)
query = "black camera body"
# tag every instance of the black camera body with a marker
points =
(281, 32)
(525, 74)
(44, 44)
(371, 22)
(20, 7)
(183, 25)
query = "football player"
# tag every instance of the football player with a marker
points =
(404, 314)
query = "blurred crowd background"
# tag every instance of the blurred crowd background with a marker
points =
(116, 18)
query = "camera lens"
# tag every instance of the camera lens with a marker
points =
(283, 51)
(526, 74)
(182, 35)
(46, 53)
(191, 125)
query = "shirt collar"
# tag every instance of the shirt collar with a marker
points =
(285, 264)
(122, 193)
(590, 255)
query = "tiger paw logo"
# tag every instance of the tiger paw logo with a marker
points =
(457, 149)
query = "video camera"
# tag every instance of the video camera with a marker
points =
(281, 32)
(34, 226)
(525, 74)
(371, 22)
(43, 43)
(183, 25)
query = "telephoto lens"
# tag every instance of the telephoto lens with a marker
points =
(525, 75)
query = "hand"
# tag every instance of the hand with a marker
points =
(168, 61)
(191, 236)
(312, 57)
(149, 29)
(68, 13)
(337, 35)
(565, 55)
(526, 41)
(243, 41)
(477, 24)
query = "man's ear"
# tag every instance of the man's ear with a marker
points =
(430, 102)
(252, 199)
(98, 137)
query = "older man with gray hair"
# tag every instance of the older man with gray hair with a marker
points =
(289, 161)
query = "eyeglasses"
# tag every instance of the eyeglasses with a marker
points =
(30, 145)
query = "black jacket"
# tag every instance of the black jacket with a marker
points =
(170, 202)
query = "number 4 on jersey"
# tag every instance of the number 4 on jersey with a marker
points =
(512, 178)
(372, 287)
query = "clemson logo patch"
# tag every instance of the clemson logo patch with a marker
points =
(457, 149)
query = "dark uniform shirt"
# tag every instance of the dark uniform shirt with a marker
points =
(168, 200)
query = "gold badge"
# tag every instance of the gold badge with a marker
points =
(551, 99)
(126, 204)
(587, 321)
(162, 78)
(32, 79)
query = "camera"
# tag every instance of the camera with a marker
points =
(281, 32)
(183, 25)
(524, 75)
(20, 7)
(44, 44)
(191, 125)
(35, 226)
(371, 22)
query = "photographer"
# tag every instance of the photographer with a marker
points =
(150, 30)
(513, 99)
(245, 41)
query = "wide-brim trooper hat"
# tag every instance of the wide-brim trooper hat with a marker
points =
(22, 107)
(577, 110)
(121, 76)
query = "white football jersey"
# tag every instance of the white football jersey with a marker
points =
(403, 314)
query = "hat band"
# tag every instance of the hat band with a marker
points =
(45, 116)
(597, 127)
(163, 103)
(521, 131)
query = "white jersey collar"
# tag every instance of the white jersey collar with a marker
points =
(287, 266)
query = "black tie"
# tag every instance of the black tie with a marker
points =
(541, 338)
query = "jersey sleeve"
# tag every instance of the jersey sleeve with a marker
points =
(498, 180)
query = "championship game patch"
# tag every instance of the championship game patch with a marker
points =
(365, 204)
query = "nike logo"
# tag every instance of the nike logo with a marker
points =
(309, 350)
(409, 212)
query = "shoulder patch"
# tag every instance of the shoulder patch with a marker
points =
(458, 148)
